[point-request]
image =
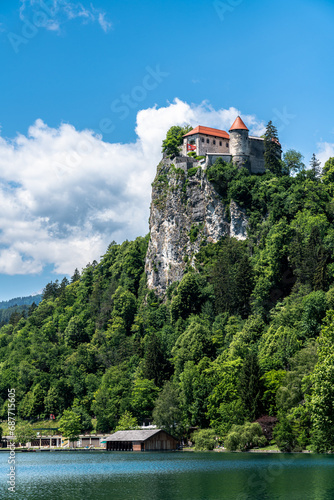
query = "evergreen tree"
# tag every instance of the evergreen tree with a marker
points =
(63, 284)
(76, 275)
(32, 308)
(251, 387)
(272, 150)
(232, 278)
(310, 259)
(51, 290)
(315, 166)
(154, 361)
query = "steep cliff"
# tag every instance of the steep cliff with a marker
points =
(186, 211)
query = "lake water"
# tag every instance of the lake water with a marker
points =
(169, 476)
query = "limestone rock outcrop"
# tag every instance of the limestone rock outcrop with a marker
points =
(186, 211)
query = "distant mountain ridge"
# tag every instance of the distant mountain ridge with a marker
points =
(21, 301)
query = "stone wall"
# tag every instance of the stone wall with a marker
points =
(256, 151)
(211, 158)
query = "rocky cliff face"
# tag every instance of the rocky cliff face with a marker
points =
(185, 212)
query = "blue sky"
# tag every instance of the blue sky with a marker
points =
(88, 90)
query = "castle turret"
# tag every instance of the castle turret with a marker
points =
(239, 145)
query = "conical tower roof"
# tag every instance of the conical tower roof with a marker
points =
(238, 124)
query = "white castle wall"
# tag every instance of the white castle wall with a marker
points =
(215, 144)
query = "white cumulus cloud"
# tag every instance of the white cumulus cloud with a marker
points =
(325, 151)
(66, 194)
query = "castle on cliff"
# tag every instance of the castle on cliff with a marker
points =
(238, 146)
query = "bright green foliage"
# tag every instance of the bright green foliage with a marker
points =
(69, 425)
(204, 439)
(174, 138)
(124, 306)
(272, 381)
(296, 384)
(32, 405)
(193, 344)
(166, 412)
(195, 388)
(314, 310)
(225, 407)
(75, 332)
(328, 172)
(143, 395)
(277, 346)
(243, 437)
(192, 171)
(127, 422)
(221, 174)
(322, 400)
(293, 162)
(24, 433)
(81, 408)
(112, 398)
(194, 232)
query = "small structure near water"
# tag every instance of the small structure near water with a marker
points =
(141, 440)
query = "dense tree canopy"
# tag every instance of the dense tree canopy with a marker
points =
(246, 333)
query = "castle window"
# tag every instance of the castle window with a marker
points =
(202, 139)
(227, 144)
(208, 141)
(213, 142)
(220, 143)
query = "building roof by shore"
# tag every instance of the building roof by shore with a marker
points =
(135, 435)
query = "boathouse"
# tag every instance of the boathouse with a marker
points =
(141, 440)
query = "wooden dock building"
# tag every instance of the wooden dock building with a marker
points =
(141, 440)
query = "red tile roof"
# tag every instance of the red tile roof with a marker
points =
(208, 131)
(238, 124)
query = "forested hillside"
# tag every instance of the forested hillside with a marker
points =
(11, 311)
(247, 333)
(21, 301)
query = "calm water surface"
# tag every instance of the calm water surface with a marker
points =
(169, 476)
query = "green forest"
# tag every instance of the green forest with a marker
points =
(243, 343)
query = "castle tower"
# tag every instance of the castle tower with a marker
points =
(239, 145)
